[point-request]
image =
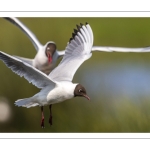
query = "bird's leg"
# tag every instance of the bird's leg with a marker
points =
(42, 119)
(50, 118)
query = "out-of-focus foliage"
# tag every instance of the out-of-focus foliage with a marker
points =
(117, 83)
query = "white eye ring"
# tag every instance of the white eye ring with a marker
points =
(80, 90)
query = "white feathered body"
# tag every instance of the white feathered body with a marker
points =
(41, 62)
(49, 95)
(57, 86)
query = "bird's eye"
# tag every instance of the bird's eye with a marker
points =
(80, 90)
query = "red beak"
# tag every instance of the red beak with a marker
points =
(49, 58)
(86, 97)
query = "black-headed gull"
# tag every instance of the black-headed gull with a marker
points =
(57, 86)
(58, 54)
(48, 52)
(46, 56)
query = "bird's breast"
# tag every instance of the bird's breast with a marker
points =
(43, 66)
(59, 94)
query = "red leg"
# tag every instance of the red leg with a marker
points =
(50, 118)
(42, 119)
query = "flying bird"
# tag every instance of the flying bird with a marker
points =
(47, 55)
(57, 86)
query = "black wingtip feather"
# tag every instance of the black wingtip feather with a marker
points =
(76, 31)
(70, 40)
(78, 27)
(73, 35)
(81, 24)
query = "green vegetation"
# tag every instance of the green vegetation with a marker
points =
(103, 113)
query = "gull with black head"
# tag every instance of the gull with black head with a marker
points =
(57, 86)
(47, 54)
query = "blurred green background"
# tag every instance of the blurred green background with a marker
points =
(117, 83)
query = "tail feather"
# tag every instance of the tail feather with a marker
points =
(27, 102)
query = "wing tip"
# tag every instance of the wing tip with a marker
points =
(78, 27)
(76, 31)
(70, 40)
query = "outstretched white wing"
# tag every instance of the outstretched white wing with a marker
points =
(21, 26)
(33, 75)
(77, 51)
(61, 53)
(120, 49)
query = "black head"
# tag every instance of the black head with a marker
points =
(80, 91)
(50, 50)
